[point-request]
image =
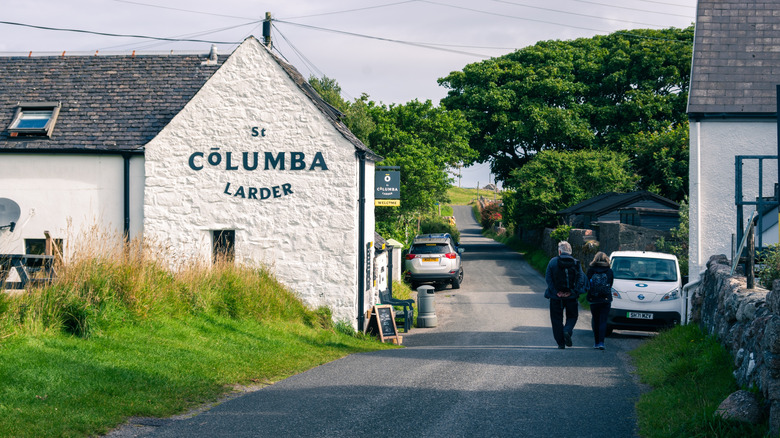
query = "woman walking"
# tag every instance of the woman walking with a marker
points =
(600, 278)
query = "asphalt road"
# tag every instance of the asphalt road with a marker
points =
(490, 368)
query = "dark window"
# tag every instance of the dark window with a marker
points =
(38, 246)
(430, 248)
(224, 244)
(34, 119)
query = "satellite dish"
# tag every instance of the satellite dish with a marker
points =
(9, 214)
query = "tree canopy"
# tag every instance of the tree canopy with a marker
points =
(554, 180)
(589, 93)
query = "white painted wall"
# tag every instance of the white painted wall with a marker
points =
(308, 237)
(67, 195)
(714, 144)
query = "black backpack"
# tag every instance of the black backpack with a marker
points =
(565, 277)
(599, 288)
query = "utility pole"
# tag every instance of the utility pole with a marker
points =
(267, 31)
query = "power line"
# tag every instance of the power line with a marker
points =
(350, 10)
(582, 15)
(409, 43)
(179, 9)
(533, 19)
(635, 9)
(11, 23)
(309, 65)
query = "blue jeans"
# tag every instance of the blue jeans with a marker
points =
(600, 311)
(557, 308)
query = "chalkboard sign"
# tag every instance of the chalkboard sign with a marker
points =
(381, 322)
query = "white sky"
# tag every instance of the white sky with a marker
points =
(354, 50)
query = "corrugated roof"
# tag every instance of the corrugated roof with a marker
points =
(736, 57)
(612, 201)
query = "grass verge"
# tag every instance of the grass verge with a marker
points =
(120, 337)
(460, 196)
(690, 374)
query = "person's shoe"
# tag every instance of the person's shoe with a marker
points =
(567, 338)
(595, 346)
(601, 346)
(561, 347)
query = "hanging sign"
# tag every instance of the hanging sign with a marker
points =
(387, 188)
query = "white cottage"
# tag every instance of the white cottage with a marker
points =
(210, 155)
(732, 110)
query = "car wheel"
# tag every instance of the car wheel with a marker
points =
(414, 285)
(457, 280)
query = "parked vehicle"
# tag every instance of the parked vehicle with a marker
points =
(434, 259)
(647, 291)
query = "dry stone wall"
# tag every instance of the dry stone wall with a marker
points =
(747, 323)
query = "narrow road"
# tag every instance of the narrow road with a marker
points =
(490, 368)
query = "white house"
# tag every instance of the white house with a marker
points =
(207, 155)
(732, 109)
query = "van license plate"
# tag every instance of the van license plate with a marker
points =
(638, 315)
(430, 259)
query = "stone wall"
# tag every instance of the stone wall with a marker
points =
(608, 237)
(747, 323)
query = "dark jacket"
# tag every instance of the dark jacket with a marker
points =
(552, 292)
(610, 276)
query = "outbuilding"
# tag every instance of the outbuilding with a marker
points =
(212, 156)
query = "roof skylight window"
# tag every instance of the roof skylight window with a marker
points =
(34, 119)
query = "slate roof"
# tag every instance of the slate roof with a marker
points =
(736, 57)
(118, 103)
(611, 201)
(109, 103)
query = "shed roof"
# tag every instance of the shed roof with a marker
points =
(611, 201)
(736, 57)
(118, 103)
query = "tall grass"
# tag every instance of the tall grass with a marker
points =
(120, 334)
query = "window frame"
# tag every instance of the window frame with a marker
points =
(23, 107)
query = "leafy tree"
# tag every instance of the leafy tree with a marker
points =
(588, 93)
(661, 159)
(678, 243)
(422, 139)
(555, 180)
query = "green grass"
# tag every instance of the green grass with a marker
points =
(690, 374)
(459, 196)
(120, 336)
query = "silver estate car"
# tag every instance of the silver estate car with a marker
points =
(433, 259)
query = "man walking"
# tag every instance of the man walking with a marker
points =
(565, 281)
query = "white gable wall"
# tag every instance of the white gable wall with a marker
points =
(714, 144)
(306, 230)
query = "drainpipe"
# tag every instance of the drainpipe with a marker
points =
(126, 159)
(361, 289)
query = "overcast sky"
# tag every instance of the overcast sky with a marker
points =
(392, 50)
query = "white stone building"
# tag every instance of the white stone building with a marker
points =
(732, 110)
(208, 154)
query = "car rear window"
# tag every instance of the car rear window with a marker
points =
(430, 248)
(639, 268)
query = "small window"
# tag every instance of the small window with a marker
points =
(224, 244)
(34, 119)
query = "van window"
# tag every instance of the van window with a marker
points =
(640, 268)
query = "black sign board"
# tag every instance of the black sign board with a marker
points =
(387, 184)
(381, 322)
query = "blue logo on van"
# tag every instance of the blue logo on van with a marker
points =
(641, 297)
(640, 285)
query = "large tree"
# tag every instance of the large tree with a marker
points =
(554, 180)
(588, 93)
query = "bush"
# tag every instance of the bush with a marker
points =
(770, 266)
(437, 224)
(561, 233)
(490, 215)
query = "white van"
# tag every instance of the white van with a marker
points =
(647, 291)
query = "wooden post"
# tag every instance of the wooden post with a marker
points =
(751, 257)
(48, 250)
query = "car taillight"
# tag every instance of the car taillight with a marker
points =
(451, 255)
(411, 256)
